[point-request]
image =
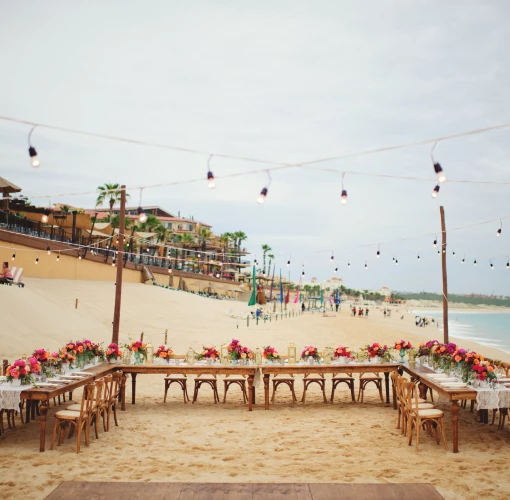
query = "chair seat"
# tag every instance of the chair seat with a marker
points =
(338, 377)
(314, 376)
(370, 378)
(75, 407)
(430, 413)
(234, 378)
(68, 414)
(205, 377)
(176, 377)
(283, 377)
(424, 406)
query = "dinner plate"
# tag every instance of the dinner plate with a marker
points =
(454, 386)
(45, 384)
(57, 381)
(87, 374)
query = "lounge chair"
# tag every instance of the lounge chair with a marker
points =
(17, 273)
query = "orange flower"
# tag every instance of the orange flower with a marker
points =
(243, 355)
(250, 355)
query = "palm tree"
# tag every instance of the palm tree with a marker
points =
(270, 257)
(162, 233)
(204, 236)
(115, 221)
(110, 193)
(176, 239)
(187, 241)
(265, 249)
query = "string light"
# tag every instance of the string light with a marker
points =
(348, 264)
(263, 193)
(303, 273)
(288, 262)
(32, 152)
(393, 259)
(498, 232)
(463, 259)
(210, 177)
(492, 265)
(435, 192)
(396, 262)
(454, 254)
(13, 256)
(169, 270)
(44, 219)
(418, 256)
(48, 249)
(218, 275)
(336, 269)
(37, 259)
(437, 167)
(79, 255)
(378, 254)
(113, 262)
(142, 216)
(332, 257)
(474, 263)
(366, 267)
(508, 264)
(344, 192)
(58, 256)
(435, 243)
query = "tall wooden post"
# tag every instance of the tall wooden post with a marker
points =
(119, 263)
(445, 281)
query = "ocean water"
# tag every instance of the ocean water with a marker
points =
(488, 328)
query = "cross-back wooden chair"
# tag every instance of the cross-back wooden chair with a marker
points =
(343, 378)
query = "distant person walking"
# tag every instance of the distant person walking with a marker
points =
(360, 313)
(385, 313)
(366, 312)
(303, 307)
(354, 310)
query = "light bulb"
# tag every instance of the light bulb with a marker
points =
(288, 263)
(37, 260)
(303, 273)
(142, 217)
(378, 254)
(210, 177)
(498, 232)
(58, 257)
(439, 171)
(218, 275)
(492, 266)
(262, 196)
(434, 244)
(336, 269)
(48, 250)
(332, 258)
(435, 192)
(13, 256)
(198, 255)
(348, 264)
(113, 263)
(508, 265)
(44, 218)
(79, 256)
(462, 261)
(33, 155)
(396, 262)
(474, 263)
(169, 270)
(418, 257)
(366, 267)
(454, 254)
(344, 197)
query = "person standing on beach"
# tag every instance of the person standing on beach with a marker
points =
(303, 307)
(354, 310)
(384, 313)
(366, 312)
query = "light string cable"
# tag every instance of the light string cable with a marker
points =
(276, 165)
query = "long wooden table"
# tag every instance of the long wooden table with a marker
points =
(420, 372)
(249, 371)
(45, 395)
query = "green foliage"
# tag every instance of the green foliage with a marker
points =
(458, 299)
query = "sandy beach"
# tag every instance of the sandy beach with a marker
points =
(316, 442)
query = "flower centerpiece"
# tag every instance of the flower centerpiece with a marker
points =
(139, 349)
(342, 354)
(210, 354)
(401, 346)
(246, 355)
(113, 353)
(92, 351)
(234, 350)
(483, 371)
(471, 360)
(22, 370)
(310, 353)
(67, 355)
(164, 353)
(271, 354)
(442, 355)
(377, 351)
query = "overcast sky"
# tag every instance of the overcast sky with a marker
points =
(285, 81)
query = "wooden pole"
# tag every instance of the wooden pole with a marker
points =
(119, 263)
(445, 281)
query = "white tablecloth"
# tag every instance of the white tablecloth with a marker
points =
(490, 399)
(10, 395)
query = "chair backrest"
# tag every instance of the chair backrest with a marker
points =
(87, 399)
(99, 392)
(114, 393)
(108, 386)
(410, 397)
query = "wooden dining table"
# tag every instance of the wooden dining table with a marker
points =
(250, 371)
(43, 395)
(421, 374)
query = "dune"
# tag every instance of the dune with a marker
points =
(316, 442)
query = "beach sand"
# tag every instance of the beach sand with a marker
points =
(316, 442)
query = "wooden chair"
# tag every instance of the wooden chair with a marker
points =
(207, 380)
(365, 379)
(98, 404)
(314, 378)
(287, 380)
(342, 378)
(113, 399)
(418, 417)
(78, 419)
(179, 379)
(239, 380)
(402, 417)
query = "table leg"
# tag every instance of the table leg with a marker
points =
(133, 388)
(455, 425)
(28, 403)
(42, 432)
(266, 391)
(387, 385)
(123, 392)
(251, 392)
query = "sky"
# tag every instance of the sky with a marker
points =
(286, 82)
